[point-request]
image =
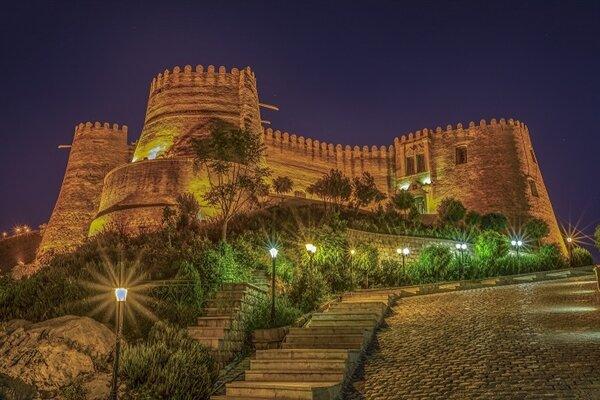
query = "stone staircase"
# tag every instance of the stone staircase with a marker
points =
(317, 360)
(221, 329)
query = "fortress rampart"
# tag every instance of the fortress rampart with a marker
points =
(96, 149)
(489, 166)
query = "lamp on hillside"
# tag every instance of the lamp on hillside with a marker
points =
(311, 249)
(570, 249)
(273, 252)
(404, 252)
(517, 244)
(461, 247)
(121, 297)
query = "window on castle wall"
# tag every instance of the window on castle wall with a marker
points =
(461, 155)
(533, 188)
(533, 156)
(420, 163)
(410, 165)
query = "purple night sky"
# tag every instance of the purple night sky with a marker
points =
(348, 72)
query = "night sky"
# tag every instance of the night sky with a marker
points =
(348, 72)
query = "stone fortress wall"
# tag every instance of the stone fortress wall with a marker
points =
(96, 149)
(103, 187)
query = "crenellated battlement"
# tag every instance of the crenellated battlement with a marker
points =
(300, 144)
(200, 75)
(86, 127)
(459, 129)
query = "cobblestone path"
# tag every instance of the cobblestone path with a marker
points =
(528, 341)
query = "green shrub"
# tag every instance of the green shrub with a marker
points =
(434, 262)
(308, 288)
(364, 264)
(536, 229)
(491, 245)
(550, 257)
(581, 257)
(169, 364)
(494, 222)
(451, 210)
(260, 316)
(473, 219)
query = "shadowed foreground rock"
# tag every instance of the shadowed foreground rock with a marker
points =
(56, 353)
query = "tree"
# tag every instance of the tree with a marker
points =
(451, 210)
(365, 191)
(472, 219)
(333, 187)
(494, 221)
(282, 185)
(491, 245)
(232, 157)
(536, 229)
(403, 201)
(597, 236)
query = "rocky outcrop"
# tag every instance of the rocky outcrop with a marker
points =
(56, 353)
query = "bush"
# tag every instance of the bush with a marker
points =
(169, 364)
(364, 265)
(451, 210)
(308, 288)
(494, 222)
(581, 257)
(434, 263)
(260, 316)
(550, 257)
(491, 245)
(472, 219)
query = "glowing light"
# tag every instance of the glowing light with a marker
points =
(405, 186)
(457, 245)
(273, 251)
(519, 243)
(427, 180)
(570, 239)
(406, 251)
(463, 246)
(4, 234)
(352, 252)
(121, 294)
(399, 250)
(311, 248)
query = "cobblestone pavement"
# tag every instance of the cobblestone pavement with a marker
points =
(528, 341)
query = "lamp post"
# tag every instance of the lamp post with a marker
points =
(121, 296)
(517, 244)
(273, 251)
(402, 252)
(461, 247)
(311, 249)
(570, 249)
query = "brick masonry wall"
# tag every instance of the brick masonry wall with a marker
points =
(387, 244)
(96, 149)
(184, 103)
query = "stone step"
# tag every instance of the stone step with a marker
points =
(298, 364)
(319, 345)
(366, 323)
(360, 311)
(346, 315)
(326, 341)
(292, 354)
(284, 390)
(376, 305)
(229, 295)
(209, 342)
(300, 375)
(215, 322)
(242, 286)
(329, 330)
(224, 302)
(216, 312)
(201, 331)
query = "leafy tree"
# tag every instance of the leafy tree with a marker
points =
(597, 236)
(536, 229)
(365, 191)
(232, 157)
(403, 202)
(451, 210)
(333, 187)
(494, 221)
(581, 257)
(282, 185)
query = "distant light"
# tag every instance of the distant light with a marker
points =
(273, 251)
(121, 294)
(457, 245)
(406, 251)
(405, 186)
(427, 180)
(463, 246)
(311, 248)
(519, 243)
(569, 239)
(4, 234)
(513, 242)
(352, 252)
(399, 250)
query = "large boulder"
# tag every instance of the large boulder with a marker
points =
(56, 353)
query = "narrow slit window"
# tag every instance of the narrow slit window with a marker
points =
(420, 163)
(533, 156)
(461, 155)
(533, 187)
(410, 165)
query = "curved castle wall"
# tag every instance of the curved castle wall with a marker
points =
(184, 103)
(96, 149)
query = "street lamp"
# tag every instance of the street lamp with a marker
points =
(120, 296)
(461, 247)
(517, 244)
(403, 252)
(570, 249)
(311, 249)
(273, 251)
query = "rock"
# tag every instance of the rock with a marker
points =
(54, 353)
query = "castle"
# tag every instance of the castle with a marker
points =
(489, 166)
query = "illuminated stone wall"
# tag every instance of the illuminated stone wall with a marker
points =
(18, 249)
(184, 104)
(96, 149)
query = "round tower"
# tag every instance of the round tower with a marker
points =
(96, 149)
(185, 103)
